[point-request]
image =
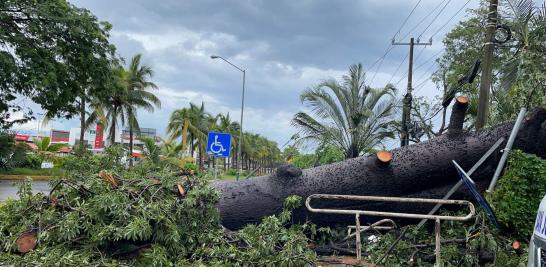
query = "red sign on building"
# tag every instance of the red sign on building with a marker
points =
(99, 134)
(22, 137)
(58, 136)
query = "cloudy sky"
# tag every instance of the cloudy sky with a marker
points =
(285, 46)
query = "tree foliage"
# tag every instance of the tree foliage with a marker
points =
(519, 192)
(7, 145)
(518, 67)
(324, 154)
(52, 53)
(348, 115)
(103, 214)
(192, 124)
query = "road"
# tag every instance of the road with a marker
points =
(9, 188)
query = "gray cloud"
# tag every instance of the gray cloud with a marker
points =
(286, 46)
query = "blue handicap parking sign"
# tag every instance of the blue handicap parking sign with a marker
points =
(472, 188)
(218, 144)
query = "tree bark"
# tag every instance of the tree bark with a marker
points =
(420, 170)
(130, 144)
(82, 122)
(456, 120)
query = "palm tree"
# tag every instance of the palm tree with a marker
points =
(190, 123)
(151, 150)
(170, 149)
(137, 81)
(44, 145)
(107, 110)
(45, 149)
(226, 125)
(348, 115)
(128, 94)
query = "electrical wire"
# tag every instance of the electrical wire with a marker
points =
(450, 19)
(390, 46)
(429, 59)
(434, 19)
(398, 68)
(424, 74)
(423, 20)
(406, 20)
(443, 5)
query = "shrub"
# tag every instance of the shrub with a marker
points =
(59, 161)
(33, 161)
(7, 143)
(231, 172)
(190, 168)
(519, 192)
(304, 161)
(19, 156)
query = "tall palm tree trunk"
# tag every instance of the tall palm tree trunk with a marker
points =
(200, 152)
(82, 122)
(112, 134)
(130, 145)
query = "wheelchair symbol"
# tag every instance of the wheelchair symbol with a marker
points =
(216, 147)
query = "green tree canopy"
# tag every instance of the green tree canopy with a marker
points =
(518, 64)
(348, 115)
(52, 53)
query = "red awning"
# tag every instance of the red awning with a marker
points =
(65, 149)
(58, 139)
(137, 154)
(22, 137)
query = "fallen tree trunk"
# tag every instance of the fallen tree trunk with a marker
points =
(419, 170)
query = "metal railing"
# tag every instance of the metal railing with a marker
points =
(358, 213)
(376, 226)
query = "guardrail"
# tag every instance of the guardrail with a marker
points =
(358, 213)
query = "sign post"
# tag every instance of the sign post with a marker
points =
(218, 144)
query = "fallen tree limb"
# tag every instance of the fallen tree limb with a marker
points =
(419, 170)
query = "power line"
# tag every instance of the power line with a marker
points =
(425, 73)
(442, 4)
(421, 84)
(390, 46)
(429, 59)
(420, 53)
(451, 18)
(398, 68)
(401, 78)
(434, 19)
(423, 20)
(406, 20)
(406, 74)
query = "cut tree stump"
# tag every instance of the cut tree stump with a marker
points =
(419, 170)
(27, 241)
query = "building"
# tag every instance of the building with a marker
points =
(59, 136)
(94, 137)
(137, 135)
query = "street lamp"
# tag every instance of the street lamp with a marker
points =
(239, 164)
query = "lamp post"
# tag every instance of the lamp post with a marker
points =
(239, 163)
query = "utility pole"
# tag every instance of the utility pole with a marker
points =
(485, 85)
(406, 110)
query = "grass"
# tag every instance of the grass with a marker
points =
(33, 172)
(227, 177)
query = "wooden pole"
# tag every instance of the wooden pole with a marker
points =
(406, 111)
(485, 85)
